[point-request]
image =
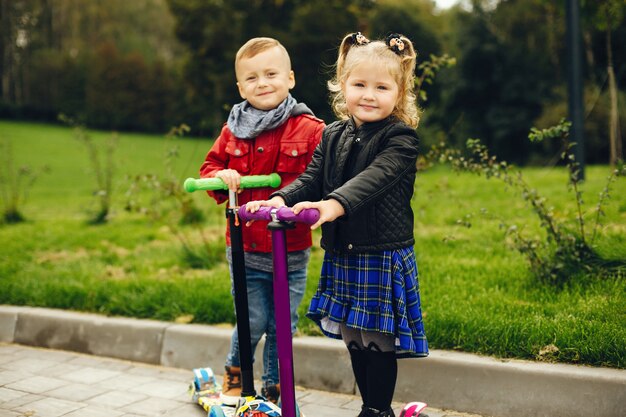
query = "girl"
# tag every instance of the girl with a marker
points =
(361, 180)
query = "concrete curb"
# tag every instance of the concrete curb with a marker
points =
(447, 380)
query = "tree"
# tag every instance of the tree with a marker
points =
(607, 16)
(500, 85)
(416, 20)
(213, 31)
(315, 35)
(47, 52)
(17, 22)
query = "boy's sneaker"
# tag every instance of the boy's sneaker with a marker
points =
(231, 385)
(271, 393)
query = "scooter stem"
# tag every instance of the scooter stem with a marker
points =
(282, 312)
(241, 297)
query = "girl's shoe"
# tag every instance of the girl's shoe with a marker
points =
(372, 412)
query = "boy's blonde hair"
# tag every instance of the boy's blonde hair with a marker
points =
(257, 45)
(355, 49)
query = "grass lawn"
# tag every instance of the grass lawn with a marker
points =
(477, 292)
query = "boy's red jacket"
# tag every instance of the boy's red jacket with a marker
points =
(286, 150)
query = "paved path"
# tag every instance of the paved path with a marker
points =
(37, 382)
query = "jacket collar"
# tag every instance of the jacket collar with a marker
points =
(369, 127)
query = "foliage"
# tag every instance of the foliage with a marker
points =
(125, 92)
(164, 188)
(147, 65)
(504, 76)
(101, 157)
(312, 41)
(15, 183)
(567, 250)
(478, 295)
(428, 70)
(415, 19)
(214, 31)
(108, 65)
(596, 136)
(169, 203)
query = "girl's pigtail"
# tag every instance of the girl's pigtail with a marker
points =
(353, 39)
(408, 55)
(395, 42)
(402, 46)
(338, 101)
(357, 38)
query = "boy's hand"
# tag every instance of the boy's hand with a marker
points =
(329, 210)
(231, 178)
(253, 206)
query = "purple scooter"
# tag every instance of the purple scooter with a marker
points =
(280, 220)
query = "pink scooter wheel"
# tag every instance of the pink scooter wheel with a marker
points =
(412, 409)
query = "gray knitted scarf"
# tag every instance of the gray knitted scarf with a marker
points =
(247, 122)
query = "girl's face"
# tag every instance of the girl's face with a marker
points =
(371, 93)
(265, 79)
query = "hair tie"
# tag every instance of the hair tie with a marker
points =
(359, 39)
(395, 43)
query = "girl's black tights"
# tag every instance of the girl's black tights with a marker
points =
(374, 365)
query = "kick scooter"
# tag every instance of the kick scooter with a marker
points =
(280, 220)
(204, 387)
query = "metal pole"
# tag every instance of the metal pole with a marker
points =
(575, 82)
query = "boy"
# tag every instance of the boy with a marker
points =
(267, 132)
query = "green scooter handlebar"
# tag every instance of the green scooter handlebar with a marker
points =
(250, 181)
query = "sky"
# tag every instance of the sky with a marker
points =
(444, 4)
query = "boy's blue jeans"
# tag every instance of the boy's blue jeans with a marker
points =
(261, 310)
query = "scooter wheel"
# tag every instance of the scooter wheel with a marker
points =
(413, 409)
(216, 411)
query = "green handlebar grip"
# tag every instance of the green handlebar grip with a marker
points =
(250, 181)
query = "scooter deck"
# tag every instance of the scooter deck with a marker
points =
(218, 409)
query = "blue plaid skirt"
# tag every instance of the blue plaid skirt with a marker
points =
(374, 291)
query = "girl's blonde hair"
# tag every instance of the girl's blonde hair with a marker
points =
(396, 52)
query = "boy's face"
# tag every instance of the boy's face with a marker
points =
(265, 79)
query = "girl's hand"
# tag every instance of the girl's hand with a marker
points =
(253, 206)
(329, 210)
(276, 202)
(231, 178)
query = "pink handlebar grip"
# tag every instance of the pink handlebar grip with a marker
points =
(285, 214)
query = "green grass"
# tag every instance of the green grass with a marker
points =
(477, 292)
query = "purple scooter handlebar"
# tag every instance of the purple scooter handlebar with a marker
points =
(285, 214)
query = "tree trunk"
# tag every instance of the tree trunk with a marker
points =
(615, 139)
(589, 56)
(5, 51)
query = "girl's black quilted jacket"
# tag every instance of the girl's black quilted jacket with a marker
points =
(370, 171)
